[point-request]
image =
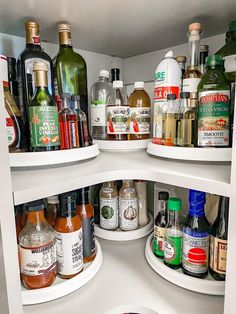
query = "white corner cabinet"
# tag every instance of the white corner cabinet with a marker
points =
(125, 278)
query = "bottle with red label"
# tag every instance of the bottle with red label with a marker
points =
(167, 81)
(68, 122)
(196, 230)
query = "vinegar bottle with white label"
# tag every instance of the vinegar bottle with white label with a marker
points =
(196, 229)
(128, 206)
(218, 241)
(69, 238)
(38, 261)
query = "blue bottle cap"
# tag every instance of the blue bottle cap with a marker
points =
(196, 196)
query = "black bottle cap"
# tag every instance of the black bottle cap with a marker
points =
(171, 96)
(34, 205)
(75, 97)
(115, 74)
(163, 196)
(184, 95)
(65, 96)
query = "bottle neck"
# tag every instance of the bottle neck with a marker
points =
(109, 184)
(76, 105)
(203, 56)
(67, 209)
(32, 37)
(41, 79)
(65, 103)
(196, 210)
(127, 183)
(103, 79)
(65, 40)
(161, 206)
(194, 45)
(223, 211)
(83, 197)
(36, 217)
(173, 218)
(184, 104)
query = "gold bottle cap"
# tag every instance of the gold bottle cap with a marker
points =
(31, 24)
(181, 59)
(64, 27)
(195, 27)
(40, 66)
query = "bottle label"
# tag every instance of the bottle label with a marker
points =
(195, 251)
(73, 134)
(190, 84)
(173, 246)
(69, 252)
(140, 120)
(118, 119)
(158, 122)
(88, 237)
(128, 213)
(38, 261)
(44, 128)
(158, 243)
(161, 92)
(98, 114)
(109, 213)
(218, 255)
(29, 79)
(230, 63)
(214, 118)
(11, 130)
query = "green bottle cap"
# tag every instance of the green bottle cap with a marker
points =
(232, 26)
(174, 204)
(214, 60)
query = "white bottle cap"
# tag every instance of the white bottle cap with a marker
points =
(53, 199)
(139, 85)
(117, 84)
(104, 73)
(169, 54)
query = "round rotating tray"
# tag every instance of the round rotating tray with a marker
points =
(62, 287)
(38, 159)
(205, 286)
(122, 145)
(190, 153)
(119, 235)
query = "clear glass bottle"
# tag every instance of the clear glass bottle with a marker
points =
(173, 237)
(192, 76)
(52, 210)
(128, 206)
(84, 136)
(140, 113)
(170, 120)
(101, 95)
(204, 50)
(182, 64)
(118, 114)
(69, 238)
(109, 206)
(38, 261)
(68, 122)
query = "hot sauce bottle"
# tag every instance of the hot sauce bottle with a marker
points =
(69, 238)
(37, 248)
(86, 214)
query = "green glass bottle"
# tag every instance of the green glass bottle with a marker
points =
(70, 70)
(213, 111)
(43, 114)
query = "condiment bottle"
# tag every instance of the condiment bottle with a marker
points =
(204, 49)
(108, 206)
(69, 238)
(128, 206)
(38, 260)
(160, 224)
(170, 120)
(141, 190)
(218, 241)
(86, 214)
(52, 209)
(196, 229)
(173, 235)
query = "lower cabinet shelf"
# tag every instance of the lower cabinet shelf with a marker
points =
(119, 235)
(205, 286)
(62, 287)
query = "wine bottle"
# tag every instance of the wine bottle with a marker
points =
(31, 54)
(70, 70)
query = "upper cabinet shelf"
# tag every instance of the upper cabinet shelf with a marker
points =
(38, 183)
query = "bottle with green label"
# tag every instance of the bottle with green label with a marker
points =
(213, 111)
(173, 235)
(43, 114)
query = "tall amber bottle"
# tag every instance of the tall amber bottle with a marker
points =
(86, 213)
(69, 238)
(140, 110)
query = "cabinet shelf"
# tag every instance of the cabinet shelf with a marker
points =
(122, 145)
(62, 287)
(33, 184)
(177, 277)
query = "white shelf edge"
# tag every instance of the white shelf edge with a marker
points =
(211, 287)
(67, 286)
(41, 159)
(129, 145)
(191, 153)
(139, 233)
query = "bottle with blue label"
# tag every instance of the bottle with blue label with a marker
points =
(196, 229)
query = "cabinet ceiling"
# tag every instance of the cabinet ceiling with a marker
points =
(120, 28)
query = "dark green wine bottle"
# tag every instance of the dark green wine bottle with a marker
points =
(43, 114)
(70, 70)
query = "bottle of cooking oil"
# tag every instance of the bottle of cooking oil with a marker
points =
(170, 120)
